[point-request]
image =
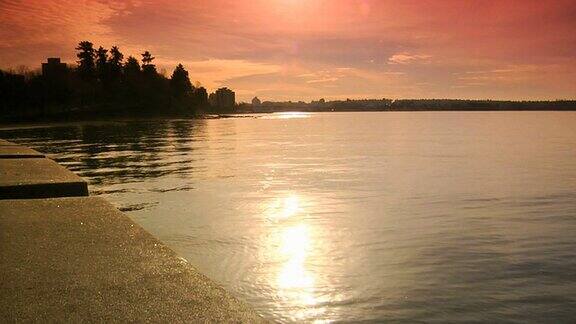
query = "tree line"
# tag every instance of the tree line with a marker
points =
(102, 82)
(385, 104)
(480, 105)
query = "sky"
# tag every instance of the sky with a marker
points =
(311, 49)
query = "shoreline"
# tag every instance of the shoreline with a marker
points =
(56, 120)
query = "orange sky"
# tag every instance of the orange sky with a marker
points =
(307, 49)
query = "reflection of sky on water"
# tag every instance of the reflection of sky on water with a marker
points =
(400, 217)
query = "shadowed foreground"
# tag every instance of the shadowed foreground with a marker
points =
(77, 259)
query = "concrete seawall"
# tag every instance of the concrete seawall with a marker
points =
(68, 257)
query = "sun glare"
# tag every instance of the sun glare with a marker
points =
(296, 283)
(291, 245)
(288, 115)
(283, 208)
(295, 245)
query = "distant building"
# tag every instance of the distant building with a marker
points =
(201, 96)
(256, 101)
(223, 98)
(212, 100)
(54, 69)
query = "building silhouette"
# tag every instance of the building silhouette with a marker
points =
(54, 69)
(223, 98)
(256, 101)
(201, 96)
(212, 100)
(57, 83)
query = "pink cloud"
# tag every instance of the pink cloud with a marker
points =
(405, 58)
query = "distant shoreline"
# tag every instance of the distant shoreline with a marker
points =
(408, 105)
(73, 117)
(262, 111)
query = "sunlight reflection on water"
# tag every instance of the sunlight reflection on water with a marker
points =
(284, 207)
(287, 115)
(295, 282)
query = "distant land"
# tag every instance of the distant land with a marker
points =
(404, 105)
(104, 85)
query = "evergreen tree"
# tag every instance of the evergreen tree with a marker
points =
(102, 64)
(131, 68)
(147, 58)
(86, 65)
(132, 78)
(147, 67)
(180, 82)
(115, 63)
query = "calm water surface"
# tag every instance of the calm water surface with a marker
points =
(396, 217)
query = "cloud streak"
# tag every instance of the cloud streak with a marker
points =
(405, 58)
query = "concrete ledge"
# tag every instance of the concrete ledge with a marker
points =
(18, 152)
(38, 178)
(5, 142)
(82, 260)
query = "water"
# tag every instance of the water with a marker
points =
(396, 217)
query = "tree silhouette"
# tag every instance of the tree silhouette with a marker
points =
(132, 67)
(115, 64)
(147, 67)
(147, 58)
(132, 75)
(102, 64)
(103, 83)
(180, 82)
(116, 57)
(86, 65)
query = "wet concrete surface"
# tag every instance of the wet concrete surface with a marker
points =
(27, 178)
(18, 151)
(79, 259)
(5, 142)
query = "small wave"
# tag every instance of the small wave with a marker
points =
(182, 188)
(136, 207)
